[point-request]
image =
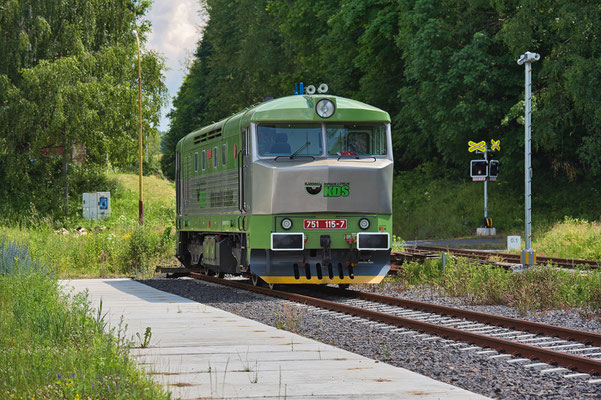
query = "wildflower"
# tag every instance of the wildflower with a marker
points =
(76, 396)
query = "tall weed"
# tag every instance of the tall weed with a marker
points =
(538, 288)
(572, 238)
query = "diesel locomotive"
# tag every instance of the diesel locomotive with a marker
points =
(293, 190)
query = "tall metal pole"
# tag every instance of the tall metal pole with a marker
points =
(528, 255)
(141, 202)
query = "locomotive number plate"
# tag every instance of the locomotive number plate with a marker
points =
(325, 224)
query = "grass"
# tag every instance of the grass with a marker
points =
(431, 204)
(571, 238)
(427, 205)
(51, 347)
(539, 288)
(110, 247)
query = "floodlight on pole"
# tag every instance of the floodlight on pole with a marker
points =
(141, 202)
(528, 254)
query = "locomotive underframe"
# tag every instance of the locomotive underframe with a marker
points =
(227, 253)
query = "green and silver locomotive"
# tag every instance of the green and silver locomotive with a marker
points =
(293, 190)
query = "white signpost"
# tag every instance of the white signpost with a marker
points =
(514, 242)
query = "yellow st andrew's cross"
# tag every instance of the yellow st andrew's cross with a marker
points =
(481, 146)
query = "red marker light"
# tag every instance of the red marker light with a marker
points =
(382, 228)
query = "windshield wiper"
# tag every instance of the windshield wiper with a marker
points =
(307, 143)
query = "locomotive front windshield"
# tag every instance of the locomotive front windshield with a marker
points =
(289, 139)
(351, 139)
(344, 139)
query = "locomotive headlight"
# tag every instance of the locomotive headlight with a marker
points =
(325, 108)
(286, 223)
(364, 223)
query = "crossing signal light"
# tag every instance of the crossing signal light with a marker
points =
(479, 170)
(493, 166)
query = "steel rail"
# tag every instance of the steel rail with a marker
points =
(492, 319)
(570, 361)
(508, 257)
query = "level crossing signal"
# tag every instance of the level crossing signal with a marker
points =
(479, 170)
(493, 169)
(482, 169)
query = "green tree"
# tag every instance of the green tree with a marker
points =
(567, 121)
(69, 78)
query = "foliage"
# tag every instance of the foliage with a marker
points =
(538, 288)
(429, 203)
(114, 246)
(51, 346)
(445, 71)
(68, 80)
(16, 260)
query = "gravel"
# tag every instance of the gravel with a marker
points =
(436, 359)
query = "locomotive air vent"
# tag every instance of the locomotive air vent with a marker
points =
(203, 137)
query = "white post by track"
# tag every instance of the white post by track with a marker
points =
(528, 254)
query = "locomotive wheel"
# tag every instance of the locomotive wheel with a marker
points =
(254, 279)
(270, 285)
(204, 270)
(221, 275)
(343, 285)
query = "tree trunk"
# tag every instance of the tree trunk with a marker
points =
(66, 153)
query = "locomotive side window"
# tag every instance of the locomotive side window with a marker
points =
(215, 157)
(350, 139)
(223, 153)
(289, 139)
(204, 160)
(196, 162)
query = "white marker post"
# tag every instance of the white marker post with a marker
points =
(528, 254)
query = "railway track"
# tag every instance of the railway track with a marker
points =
(420, 253)
(568, 348)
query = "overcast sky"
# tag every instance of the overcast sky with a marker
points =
(176, 29)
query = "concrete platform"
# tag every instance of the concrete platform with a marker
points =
(198, 351)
